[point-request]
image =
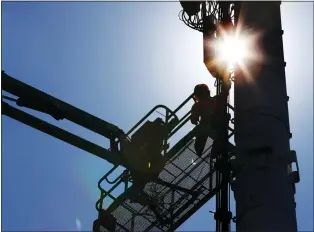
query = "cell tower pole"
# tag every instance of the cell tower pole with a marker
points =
(223, 215)
(264, 188)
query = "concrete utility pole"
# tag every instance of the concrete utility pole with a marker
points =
(264, 186)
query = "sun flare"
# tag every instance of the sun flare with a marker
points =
(236, 49)
(232, 50)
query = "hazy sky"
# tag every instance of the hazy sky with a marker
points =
(117, 61)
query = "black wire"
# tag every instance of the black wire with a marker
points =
(196, 22)
(187, 21)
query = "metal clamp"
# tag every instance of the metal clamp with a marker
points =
(223, 216)
(292, 158)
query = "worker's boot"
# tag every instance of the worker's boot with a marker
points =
(216, 148)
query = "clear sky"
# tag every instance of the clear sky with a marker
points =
(117, 61)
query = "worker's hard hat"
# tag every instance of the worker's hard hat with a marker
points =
(201, 91)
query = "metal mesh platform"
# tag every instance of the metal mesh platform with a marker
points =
(174, 206)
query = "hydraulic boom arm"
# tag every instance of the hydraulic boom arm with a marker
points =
(35, 99)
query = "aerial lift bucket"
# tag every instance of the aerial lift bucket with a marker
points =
(173, 185)
(106, 222)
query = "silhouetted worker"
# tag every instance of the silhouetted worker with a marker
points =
(203, 114)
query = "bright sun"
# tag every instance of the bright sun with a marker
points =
(233, 50)
(236, 49)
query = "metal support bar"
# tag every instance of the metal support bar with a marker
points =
(61, 134)
(170, 113)
(71, 113)
(183, 103)
(197, 206)
(176, 187)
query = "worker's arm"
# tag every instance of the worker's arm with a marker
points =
(194, 115)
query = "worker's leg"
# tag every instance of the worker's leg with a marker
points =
(201, 136)
(216, 146)
(199, 144)
(219, 126)
(215, 149)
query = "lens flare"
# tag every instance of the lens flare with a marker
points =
(237, 49)
(78, 224)
(232, 50)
